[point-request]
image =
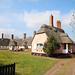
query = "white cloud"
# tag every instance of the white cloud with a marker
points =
(10, 19)
(33, 19)
(11, 31)
(36, 19)
(66, 19)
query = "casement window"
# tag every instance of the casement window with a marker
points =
(29, 46)
(39, 46)
(5, 46)
(0, 46)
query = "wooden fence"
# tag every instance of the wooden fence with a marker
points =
(7, 69)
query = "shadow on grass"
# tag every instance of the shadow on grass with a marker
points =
(17, 73)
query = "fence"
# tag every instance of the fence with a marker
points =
(7, 69)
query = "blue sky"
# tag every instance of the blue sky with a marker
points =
(25, 16)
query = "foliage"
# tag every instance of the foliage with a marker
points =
(51, 45)
(25, 63)
(72, 23)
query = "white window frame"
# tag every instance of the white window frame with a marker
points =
(39, 47)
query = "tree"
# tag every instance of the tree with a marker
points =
(50, 45)
(7, 36)
(72, 23)
(16, 37)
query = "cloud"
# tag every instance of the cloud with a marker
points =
(5, 3)
(66, 19)
(11, 31)
(36, 19)
(33, 19)
(11, 19)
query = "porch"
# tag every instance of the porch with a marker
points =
(67, 48)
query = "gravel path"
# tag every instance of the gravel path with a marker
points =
(70, 69)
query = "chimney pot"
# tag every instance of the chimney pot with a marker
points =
(24, 36)
(2, 35)
(34, 33)
(51, 20)
(58, 24)
(12, 36)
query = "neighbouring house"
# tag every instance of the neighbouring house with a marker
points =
(20, 43)
(4, 43)
(40, 37)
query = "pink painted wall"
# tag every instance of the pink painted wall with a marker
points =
(3, 48)
(42, 38)
(59, 50)
(39, 38)
(73, 48)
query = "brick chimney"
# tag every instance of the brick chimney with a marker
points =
(51, 20)
(34, 33)
(24, 36)
(58, 24)
(2, 35)
(12, 36)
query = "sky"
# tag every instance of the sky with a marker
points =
(25, 16)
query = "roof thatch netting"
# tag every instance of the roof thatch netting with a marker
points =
(28, 41)
(4, 42)
(21, 42)
(59, 34)
(12, 43)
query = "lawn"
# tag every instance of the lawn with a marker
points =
(25, 63)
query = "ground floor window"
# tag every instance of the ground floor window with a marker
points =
(0, 46)
(5, 46)
(39, 46)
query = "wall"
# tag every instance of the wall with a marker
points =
(73, 51)
(59, 50)
(42, 38)
(4, 48)
(39, 38)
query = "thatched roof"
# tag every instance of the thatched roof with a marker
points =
(24, 43)
(12, 43)
(21, 42)
(28, 41)
(58, 33)
(18, 41)
(4, 42)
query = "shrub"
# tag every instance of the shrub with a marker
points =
(50, 45)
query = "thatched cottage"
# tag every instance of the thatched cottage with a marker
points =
(40, 37)
(13, 44)
(4, 43)
(20, 43)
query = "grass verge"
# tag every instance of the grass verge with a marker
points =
(25, 65)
